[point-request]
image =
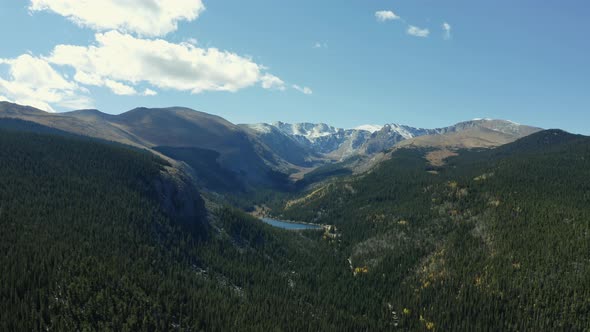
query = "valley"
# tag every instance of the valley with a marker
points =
(481, 225)
(362, 166)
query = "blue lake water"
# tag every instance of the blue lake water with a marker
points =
(289, 225)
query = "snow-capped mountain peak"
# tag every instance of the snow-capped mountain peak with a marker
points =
(337, 143)
(370, 128)
(263, 128)
(404, 131)
(310, 131)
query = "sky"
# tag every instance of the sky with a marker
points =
(424, 63)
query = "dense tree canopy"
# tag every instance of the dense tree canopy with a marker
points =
(493, 240)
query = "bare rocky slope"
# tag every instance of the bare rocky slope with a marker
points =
(338, 144)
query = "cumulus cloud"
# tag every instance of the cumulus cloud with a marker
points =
(447, 30)
(144, 17)
(303, 89)
(418, 32)
(119, 88)
(32, 81)
(272, 82)
(121, 58)
(128, 52)
(149, 92)
(386, 15)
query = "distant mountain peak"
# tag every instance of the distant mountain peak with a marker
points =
(310, 131)
(16, 109)
(338, 144)
(88, 113)
(369, 127)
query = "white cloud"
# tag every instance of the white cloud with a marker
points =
(149, 92)
(304, 89)
(119, 88)
(418, 32)
(272, 82)
(32, 81)
(320, 45)
(386, 15)
(124, 59)
(144, 17)
(447, 30)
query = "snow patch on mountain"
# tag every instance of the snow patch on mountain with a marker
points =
(405, 131)
(337, 143)
(370, 128)
(310, 131)
(262, 128)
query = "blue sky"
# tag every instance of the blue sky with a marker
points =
(315, 61)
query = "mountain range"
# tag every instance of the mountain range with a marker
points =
(337, 144)
(226, 156)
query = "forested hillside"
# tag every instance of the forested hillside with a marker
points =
(86, 245)
(494, 240)
(80, 244)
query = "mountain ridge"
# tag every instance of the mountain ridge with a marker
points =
(339, 144)
(260, 154)
(179, 127)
